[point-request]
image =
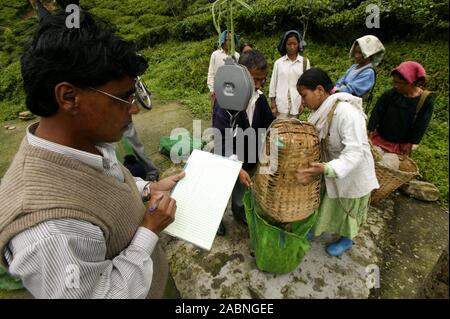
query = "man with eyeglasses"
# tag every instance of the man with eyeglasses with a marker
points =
(73, 223)
(257, 115)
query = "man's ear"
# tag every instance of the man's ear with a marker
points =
(66, 97)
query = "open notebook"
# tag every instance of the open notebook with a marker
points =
(202, 197)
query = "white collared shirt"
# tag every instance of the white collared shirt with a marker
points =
(217, 60)
(252, 104)
(283, 84)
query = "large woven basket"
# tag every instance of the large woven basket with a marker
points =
(391, 179)
(279, 194)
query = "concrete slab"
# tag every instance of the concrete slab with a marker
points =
(229, 269)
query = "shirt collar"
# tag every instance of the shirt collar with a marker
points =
(99, 162)
(286, 58)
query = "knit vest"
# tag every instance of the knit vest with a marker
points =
(41, 185)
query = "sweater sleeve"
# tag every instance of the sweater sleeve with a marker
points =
(341, 81)
(378, 111)
(359, 85)
(422, 121)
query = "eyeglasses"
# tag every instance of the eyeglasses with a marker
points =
(141, 95)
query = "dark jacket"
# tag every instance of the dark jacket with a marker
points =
(262, 118)
(393, 117)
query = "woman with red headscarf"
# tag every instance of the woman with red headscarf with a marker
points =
(402, 114)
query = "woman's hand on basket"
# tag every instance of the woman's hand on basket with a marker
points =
(274, 107)
(307, 175)
(245, 178)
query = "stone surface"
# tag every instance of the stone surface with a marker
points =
(26, 116)
(421, 190)
(229, 269)
(435, 285)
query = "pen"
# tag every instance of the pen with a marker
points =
(155, 206)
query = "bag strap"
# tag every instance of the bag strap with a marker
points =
(423, 97)
(329, 120)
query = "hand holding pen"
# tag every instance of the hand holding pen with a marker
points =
(160, 212)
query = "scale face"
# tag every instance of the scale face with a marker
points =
(233, 86)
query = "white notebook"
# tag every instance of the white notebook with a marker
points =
(202, 197)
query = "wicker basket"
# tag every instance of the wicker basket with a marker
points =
(391, 179)
(279, 194)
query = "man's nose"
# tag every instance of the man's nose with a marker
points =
(134, 109)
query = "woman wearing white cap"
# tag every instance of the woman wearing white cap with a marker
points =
(368, 51)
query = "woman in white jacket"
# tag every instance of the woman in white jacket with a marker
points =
(285, 100)
(347, 163)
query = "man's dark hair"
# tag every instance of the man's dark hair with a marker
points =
(314, 77)
(253, 59)
(91, 55)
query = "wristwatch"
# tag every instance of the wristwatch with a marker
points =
(146, 192)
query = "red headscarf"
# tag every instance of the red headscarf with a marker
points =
(411, 71)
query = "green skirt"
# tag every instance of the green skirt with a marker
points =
(343, 216)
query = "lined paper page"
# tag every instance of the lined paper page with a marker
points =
(202, 197)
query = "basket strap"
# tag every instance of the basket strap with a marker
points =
(423, 97)
(325, 142)
(329, 120)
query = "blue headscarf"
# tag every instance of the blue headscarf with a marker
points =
(223, 37)
(282, 45)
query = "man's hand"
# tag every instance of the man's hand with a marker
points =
(160, 212)
(307, 175)
(245, 178)
(371, 135)
(166, 184)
